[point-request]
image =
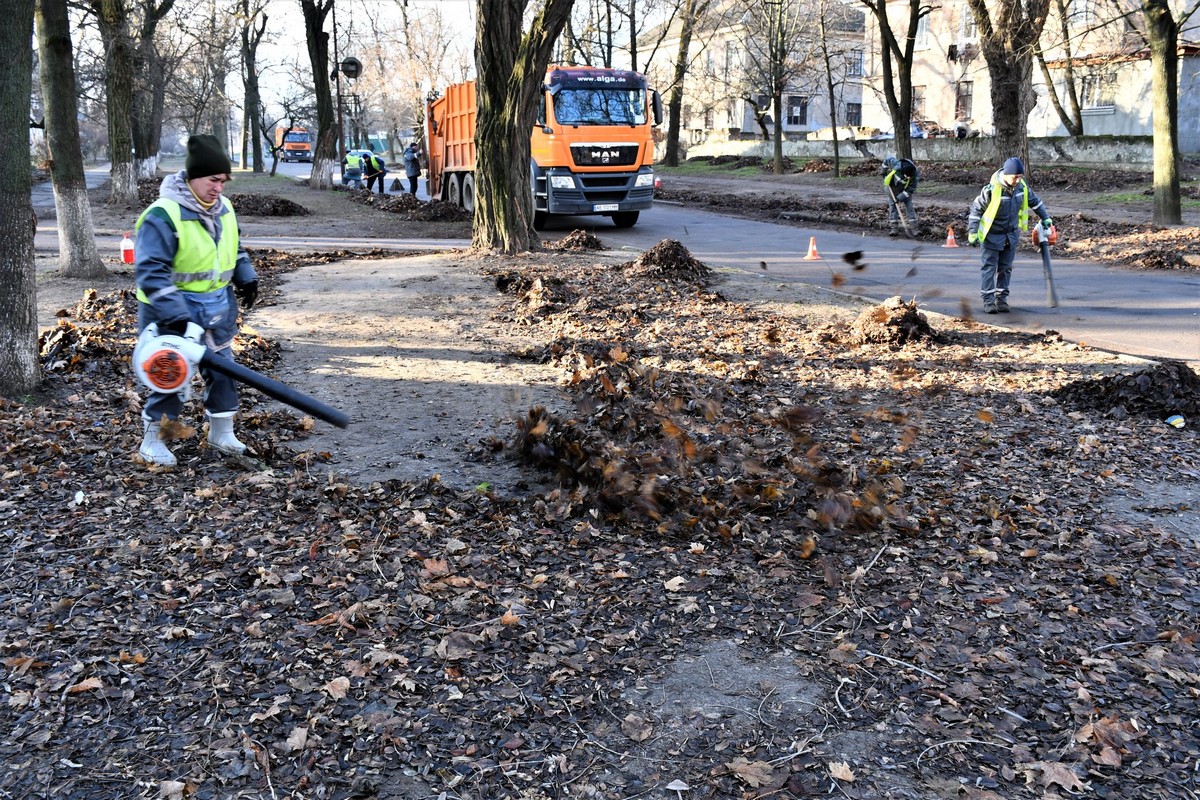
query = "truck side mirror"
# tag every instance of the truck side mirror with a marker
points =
(656, 104)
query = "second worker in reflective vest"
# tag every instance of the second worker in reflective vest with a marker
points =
(998, 217)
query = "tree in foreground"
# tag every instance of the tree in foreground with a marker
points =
(689, 17)
(113, 18)
(77, 255)
(19, 372)
(327, 149)
(1008, 37)
(778, 44)
(511, 68)
(1162, 35)
(897, 63)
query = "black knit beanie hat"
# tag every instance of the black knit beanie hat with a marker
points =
(206, 156)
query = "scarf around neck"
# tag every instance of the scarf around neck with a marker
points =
(175, 187)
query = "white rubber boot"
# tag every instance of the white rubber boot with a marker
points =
(154, 450)
(220, 434)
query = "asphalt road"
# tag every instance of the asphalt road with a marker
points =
(1155, 314)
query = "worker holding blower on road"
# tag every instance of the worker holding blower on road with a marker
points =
(995, 222)
(188, 263)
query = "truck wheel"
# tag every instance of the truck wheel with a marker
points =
(454, 190)
(468, 193)
(625, 219)
(539, 220)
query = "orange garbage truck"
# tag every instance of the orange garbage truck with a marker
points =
(592, 147)
(295, 144)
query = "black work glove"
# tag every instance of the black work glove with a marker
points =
(177, 327)
(974, 243)
(248, 293)
(900, 198)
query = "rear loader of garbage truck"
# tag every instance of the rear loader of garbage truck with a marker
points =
(591, 149)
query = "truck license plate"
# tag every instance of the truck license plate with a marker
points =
(606, 207)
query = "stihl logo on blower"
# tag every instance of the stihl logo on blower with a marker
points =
(167, 362)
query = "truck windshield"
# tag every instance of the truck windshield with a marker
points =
(296, 137)
(600, 107)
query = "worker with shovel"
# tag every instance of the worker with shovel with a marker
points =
(995, 222)
(900, 182)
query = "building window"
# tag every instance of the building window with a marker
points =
(918, 102)
(708, 119)
(968, 24)
(797, 111)
(854, 63)
(731, 60)
(964, 91)
(1100, 90)
(1082, 12)
(923, 32)
(854, 114)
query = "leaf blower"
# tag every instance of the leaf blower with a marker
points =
(166, 362)
(1044, 239)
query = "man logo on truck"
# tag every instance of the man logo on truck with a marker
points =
(604, 156)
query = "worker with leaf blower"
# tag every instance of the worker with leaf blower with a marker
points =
(995, 222)
(901, 179)
(189, 261)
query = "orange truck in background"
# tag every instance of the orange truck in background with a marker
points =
(591, 149)
(295, 144)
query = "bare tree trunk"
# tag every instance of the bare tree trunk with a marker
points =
(118, 85)
(20, 372)
(511, 67)
(777, 103)
(691, 12)
(1072, 120)
(1008, 50)
(1163, 32)
(325, 154)
(831, 87)
(897, 77)
(77, 256)
(149, 90)
(254, 25)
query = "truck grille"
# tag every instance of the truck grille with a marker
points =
(609, 155)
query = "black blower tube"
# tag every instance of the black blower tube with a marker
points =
(273, 388)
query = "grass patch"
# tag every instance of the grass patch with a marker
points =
(1119, 198)
(1123, 197)
(700, 169)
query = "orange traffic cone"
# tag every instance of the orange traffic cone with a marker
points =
(950, 242)
(813, 255)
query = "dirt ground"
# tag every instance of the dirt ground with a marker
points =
(1038, 554)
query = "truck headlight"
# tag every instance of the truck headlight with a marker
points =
(562, 181)
(644, 179)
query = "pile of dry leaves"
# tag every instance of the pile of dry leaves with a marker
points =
(409, 207)
(784, 561)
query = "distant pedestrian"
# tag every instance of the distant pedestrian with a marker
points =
(412, 166)
(376, 170)
(997, 218)
(900, 182)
